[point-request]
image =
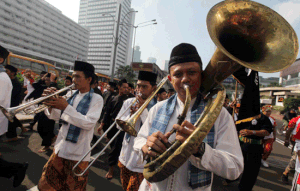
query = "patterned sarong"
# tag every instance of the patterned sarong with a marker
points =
(131, 181)
(57, 175)
(268, 147)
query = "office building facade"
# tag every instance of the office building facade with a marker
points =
(137, 54)
(100, 17)
(36, 29)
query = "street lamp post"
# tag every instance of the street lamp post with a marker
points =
(135, 27)
(117, 40)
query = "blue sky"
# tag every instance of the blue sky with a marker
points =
(181, 21)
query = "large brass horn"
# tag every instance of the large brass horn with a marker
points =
(246, 34)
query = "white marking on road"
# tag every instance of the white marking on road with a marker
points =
(282, 142)
(95, 155)
(34, 189)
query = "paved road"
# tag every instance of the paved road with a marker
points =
(26, 150)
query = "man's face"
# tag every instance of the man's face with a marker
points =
(68, 82)
(99, 83)
(1, 60)
(188, 73)
(162, 96)
(129, 89)
(28, 72)
(144, 88)
(267, 113)
(80, 81)
(47, 81)
(9, 73)
(123, 89)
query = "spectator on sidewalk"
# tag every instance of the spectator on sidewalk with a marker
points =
(28, 81)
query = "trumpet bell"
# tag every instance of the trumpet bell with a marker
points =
(7, 113)
(253, 35)
(127, 126)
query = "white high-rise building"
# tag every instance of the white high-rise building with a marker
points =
(100, 17)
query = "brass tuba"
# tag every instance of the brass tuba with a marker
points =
(247, 34)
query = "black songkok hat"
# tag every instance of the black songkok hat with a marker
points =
(3, 52)
(184, 53)
(112, 84)
(69, 78)
(83, 66)
(147, 76)
(11, 68)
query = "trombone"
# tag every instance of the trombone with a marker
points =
(128, 126)
(11, 112)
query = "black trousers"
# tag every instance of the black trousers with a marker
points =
(252, 154)
(8, 169)
(12, 128)
(116, 146)
(46, 129)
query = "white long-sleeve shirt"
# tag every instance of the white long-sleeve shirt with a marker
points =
(128, 157)
(67, 149)
(5, 96)
(225, 159)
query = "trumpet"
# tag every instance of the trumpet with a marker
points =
(128, 126)
(9, 113)
(44, 107)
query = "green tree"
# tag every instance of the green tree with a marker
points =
(291, 103)
(125, 72)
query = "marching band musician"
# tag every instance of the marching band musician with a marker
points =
(131, 171)
(219, 153)
(80, 114)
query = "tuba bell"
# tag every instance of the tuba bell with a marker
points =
(247, 34)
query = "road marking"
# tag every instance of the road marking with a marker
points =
(34, 189)
(95, 155)
(282, 142)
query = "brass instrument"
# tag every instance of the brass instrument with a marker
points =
(128, 126)
(11, 112)
(246, 34)
(44, 107)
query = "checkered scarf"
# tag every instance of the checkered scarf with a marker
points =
(2, 69)
(150, 105)
(83, 108)
(197, 178)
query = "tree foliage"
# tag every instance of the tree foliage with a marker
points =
(125, 72)
(291, 103)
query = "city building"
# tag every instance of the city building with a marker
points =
(151, 67)
(276, 95)
(137, 54)
(151, 60)
(167, 65)
(36, 29)
(290, 77)
(101, 17)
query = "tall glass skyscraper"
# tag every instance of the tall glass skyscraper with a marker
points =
(100, 17)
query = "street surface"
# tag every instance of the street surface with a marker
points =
(25, 150)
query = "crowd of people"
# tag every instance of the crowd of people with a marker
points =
(232, 151)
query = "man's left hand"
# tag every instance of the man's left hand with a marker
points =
(58, 103)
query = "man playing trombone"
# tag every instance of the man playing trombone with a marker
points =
(219, 153)
(80, 113)
(131, 171)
